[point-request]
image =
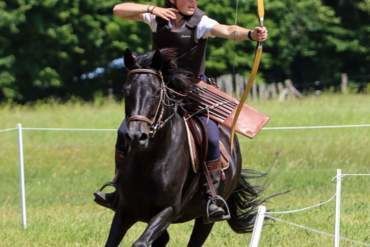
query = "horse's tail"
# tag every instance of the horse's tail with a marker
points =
(243, 203)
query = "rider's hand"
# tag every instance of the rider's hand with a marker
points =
(165, 13)
(259, 34)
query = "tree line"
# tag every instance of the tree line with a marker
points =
(46, 46)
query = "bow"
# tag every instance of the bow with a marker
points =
(255, 66)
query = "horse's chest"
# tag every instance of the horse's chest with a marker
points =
(149, 188)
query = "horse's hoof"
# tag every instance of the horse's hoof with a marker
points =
(140, 244)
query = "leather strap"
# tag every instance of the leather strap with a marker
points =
(140, 118)
(145, 71)
(209, 181)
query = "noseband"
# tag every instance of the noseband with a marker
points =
(156, 122)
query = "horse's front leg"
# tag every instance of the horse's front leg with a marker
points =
(118, 229)
(157, 225)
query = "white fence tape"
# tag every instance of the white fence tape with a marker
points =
(310, 229)
(318, 127)
(303, 209)
(266, 128)
(336, 236)
(7, 130)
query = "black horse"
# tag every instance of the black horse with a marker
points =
(156, 184)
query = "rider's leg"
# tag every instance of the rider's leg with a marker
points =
(216, 212)
(109, 200)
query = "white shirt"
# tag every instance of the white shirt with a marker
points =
(203, 28)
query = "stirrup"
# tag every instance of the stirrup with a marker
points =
(111, 184)
(219, 201)
(101, 198)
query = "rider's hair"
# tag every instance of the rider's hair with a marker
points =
(168, 4)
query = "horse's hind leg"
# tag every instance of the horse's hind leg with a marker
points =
(200, 233)
(162, 240)
(119, 227)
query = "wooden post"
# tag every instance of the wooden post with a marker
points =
(239, 80)
(254, 92)
(344, 83)
(110, 94)
(262, 90)
(292, 90)
(272, 91)
(283, 92)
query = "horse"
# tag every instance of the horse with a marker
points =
(156, 184)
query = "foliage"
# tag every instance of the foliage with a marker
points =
(45, 46)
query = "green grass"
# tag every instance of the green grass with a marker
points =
(64, 168)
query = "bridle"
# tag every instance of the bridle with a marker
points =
(157, 121)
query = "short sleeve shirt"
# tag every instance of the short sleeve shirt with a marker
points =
(203, 28)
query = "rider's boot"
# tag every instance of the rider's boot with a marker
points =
(110, 200)
(216, 206)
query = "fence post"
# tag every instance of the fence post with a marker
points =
(22, 188)
(258, 224)
(344, 83)
(337, 208)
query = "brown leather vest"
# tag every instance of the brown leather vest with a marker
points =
(191, 52)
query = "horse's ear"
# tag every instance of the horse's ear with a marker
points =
(157, 60)
(129, 59)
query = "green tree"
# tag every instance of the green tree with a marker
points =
(304, 37)
(46, 45)
(354, 16)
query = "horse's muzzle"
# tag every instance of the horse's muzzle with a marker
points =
(138, 139)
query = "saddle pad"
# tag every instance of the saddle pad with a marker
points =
(194, 152)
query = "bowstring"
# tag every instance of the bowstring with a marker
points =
(236, 11)
(235, 23)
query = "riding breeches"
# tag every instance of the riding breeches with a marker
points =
(213, 135)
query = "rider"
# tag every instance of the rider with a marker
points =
(182, 25)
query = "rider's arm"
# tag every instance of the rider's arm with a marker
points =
(235, 32)
(136, 11)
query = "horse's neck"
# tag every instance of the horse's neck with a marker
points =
(166, 135)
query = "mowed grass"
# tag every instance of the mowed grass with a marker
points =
(64, 168)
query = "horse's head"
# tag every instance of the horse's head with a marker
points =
(150, 77)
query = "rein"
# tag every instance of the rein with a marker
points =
(157, 122)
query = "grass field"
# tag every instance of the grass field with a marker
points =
(64, 168)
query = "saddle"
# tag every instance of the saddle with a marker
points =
(210, 101)
(197, 144)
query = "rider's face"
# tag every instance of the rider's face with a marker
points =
(186, 7)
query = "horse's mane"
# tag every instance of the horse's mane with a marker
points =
(176, 78)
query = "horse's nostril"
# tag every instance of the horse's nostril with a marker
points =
(143, 137)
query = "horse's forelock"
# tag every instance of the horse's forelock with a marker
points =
(177, 78)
